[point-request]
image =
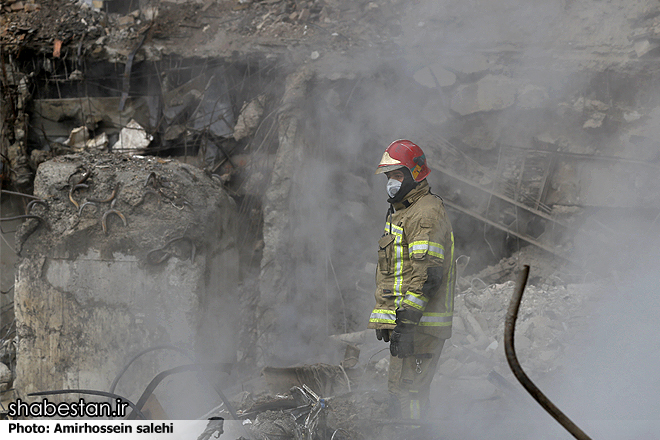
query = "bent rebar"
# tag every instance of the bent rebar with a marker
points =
(110, 198)
(34, 202)
(193, 249)
(28, 196)
(152, 179)
(79, 184)
(166, 254)
(516, 368)
(151, 260)
(104, 219)
(6, 219)
(87, 204)
(82, 179)
(135, 409)
(72, 190)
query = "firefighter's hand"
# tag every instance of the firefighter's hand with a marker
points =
(401, 340)
(383, 335)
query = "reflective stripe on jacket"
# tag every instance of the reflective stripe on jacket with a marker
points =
(417, 236)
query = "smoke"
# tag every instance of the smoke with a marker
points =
(607, 383)
(337, 206)
(610, 379)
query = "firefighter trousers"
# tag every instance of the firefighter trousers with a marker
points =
(409, 379)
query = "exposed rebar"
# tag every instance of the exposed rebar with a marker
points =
(29, 196)
(109, 198)
(516, 368)
(34, 202)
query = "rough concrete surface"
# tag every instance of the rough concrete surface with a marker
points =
(158, 279)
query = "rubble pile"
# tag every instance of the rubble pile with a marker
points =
(472, 370)
(303, 414)
(548, 319)
(545, 269)
(197, 28)
(48, 25)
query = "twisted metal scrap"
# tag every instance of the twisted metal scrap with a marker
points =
(516, 368)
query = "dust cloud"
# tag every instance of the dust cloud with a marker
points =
(561, 53)
(606, 382)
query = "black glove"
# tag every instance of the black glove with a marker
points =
(401, 341)
(401, 344)
(383, 335)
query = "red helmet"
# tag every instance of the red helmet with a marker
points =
(401, 154)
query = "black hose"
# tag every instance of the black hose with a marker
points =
(180, 369)
(143, 352)
(526, 382)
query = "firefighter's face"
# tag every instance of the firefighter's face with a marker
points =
(396, 175)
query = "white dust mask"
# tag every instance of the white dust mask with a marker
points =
(393, 187)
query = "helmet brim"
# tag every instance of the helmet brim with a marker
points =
(388, 168)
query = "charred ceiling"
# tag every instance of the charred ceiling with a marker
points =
(184, 104)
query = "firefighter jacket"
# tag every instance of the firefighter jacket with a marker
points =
(416, 267)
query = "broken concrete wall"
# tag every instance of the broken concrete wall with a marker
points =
(277, 286)
(13, 135)
(151, 262)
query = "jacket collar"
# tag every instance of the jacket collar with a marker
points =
(415, 194)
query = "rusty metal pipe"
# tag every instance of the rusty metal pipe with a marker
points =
(516, 368)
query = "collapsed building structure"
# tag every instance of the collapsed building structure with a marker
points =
(204, 173)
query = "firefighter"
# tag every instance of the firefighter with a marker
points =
(415, 279)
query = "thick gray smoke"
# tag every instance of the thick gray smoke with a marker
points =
(607, 384)
(610, 380)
